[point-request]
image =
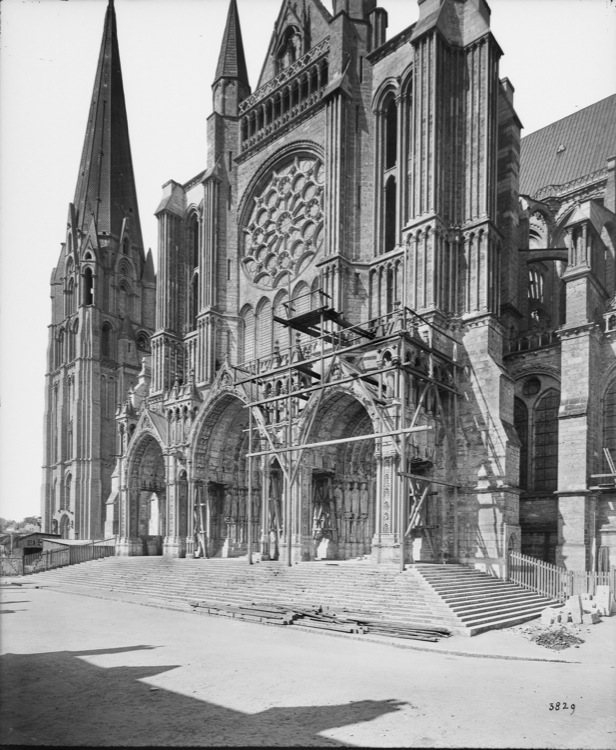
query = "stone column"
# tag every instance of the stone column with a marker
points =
(171, 546)
(386, 540)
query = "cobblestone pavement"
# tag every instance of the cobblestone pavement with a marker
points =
(85, 671)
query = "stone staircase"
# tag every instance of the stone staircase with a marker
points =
(481, 602)
(452, 596)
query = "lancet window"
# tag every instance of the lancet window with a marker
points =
(387, 173)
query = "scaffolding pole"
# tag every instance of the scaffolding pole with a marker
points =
(249, 507)
(404, 496)
(334, 346)
(338, 441)
(289, 454)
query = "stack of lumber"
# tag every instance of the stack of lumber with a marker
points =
(319, 618)
(275, 614)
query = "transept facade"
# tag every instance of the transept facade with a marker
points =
(353, 344)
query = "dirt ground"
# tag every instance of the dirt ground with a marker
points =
(77, 670)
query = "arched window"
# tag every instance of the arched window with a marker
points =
(106, 344)
(124, 300)
(387, 135)
(67, 492)
(520, 422)
(60, 348)
(545, 442)
(390, 214)
(609, 424)
(70, 354)
(390, 285)
(290, 48)
(264, 324)
(315, 294)
(248, 332)
(125, 246)
(281, 332)
(143, 342)
(70, 297)
(193, 241)
(88, 287)
(70, 443)
(391, 133)
(194, 300)
(301, 298)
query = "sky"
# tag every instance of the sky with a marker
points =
(560, 56)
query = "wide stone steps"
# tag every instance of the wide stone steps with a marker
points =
(360, 587)
(481, 602)
(460, 598)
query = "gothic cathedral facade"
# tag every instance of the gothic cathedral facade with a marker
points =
(382, 324)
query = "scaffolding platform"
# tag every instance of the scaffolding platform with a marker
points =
(311, 322)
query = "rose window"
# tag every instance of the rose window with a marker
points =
(285, 228)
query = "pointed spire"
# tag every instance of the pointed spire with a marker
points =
(149, 276)
(231, 61)
(105, 188)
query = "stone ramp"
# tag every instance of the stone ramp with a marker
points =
(431, 596)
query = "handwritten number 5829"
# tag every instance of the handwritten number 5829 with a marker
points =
(562, 706)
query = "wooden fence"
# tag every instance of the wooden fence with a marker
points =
(554, 581)
(55, 558)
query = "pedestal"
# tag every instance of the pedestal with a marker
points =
(129, 547)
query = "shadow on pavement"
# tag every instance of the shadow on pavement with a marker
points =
(57, 698)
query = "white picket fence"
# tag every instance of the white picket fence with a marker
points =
(554, 581)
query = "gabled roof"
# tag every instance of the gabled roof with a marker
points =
(105, 188)
(231, 61)
(588, 137)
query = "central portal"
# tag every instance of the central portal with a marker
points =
(343, 481)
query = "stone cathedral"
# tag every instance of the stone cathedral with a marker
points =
(380, 322)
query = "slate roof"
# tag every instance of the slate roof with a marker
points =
(588, 137)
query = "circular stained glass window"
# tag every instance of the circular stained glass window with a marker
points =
(284, 231)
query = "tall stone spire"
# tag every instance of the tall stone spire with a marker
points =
(231, 61)
(106, 184)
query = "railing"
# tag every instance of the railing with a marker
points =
(286, 75)
(554, 581)
(55, 558)
(532, 340)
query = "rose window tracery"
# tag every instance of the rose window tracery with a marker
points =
(285, 228)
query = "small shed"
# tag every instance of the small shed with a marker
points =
(33, 542)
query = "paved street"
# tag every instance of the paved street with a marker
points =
(79, 670)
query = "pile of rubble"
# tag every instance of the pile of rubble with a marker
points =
(560, 626)
(555, 637)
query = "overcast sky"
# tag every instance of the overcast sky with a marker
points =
(560, 56)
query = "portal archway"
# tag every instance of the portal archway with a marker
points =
(341, 487)
(147, 511)
(221, 481)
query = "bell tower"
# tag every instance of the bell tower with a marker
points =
(103, 296)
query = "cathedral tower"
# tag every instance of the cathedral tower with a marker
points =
(103, 296)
